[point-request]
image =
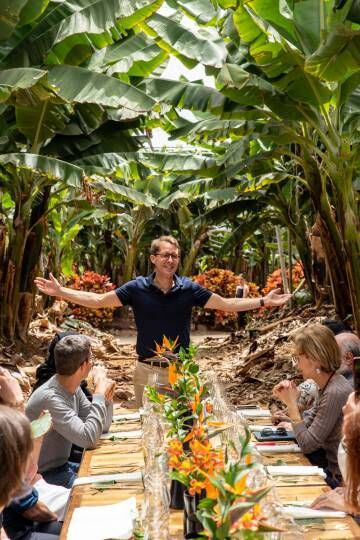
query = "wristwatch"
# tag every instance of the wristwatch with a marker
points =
(262, 303)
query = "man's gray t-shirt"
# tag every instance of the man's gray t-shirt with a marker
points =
(74, 421)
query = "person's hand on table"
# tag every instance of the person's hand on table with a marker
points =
(10, 391)
(39, 512)
(286, 425)
(333, 499)
(279, 416)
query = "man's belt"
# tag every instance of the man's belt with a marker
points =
(154, 361)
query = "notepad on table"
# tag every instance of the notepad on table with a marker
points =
(303, 512)
(254, 413)
(269, 448)
(103, 478)
(103, 522)
(295, 470)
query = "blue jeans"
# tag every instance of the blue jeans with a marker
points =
(63, 475)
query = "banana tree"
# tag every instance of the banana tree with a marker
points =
(59, 108)
(304, 79)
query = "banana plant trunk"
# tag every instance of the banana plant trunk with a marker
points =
(130, 261)
(11, 278)
(350, 232)
(30, 266)
(189, 260)
(21, 266)
(331, 240)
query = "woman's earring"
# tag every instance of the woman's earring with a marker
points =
(318, 370)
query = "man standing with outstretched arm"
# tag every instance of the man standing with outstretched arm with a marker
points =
(162, 303)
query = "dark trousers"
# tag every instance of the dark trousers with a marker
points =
(318, 457)
(63, 475)
(19, 528)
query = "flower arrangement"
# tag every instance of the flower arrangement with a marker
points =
(184, 401)
(195, 467)
(228, 507)
(91, 282)
(235, 512)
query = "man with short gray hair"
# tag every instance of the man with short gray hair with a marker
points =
(75, 420)
(349, 345)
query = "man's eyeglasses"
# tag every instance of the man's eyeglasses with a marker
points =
(165, 256)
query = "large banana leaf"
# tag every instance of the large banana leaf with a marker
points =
(181, 162)
(213, 129)
(270, 12)
(107, 163)
(120, 191)
(93, 26)
(108, 138)
(247, 29)
(32, 11)
(79, 85)
(201, 10)
(41, 121)
(15, 13)
(249, 89)
(9, 16)
(136, 56)
(338, 57)
(178, 195)
(70, 31)
(12, 80)
(53, 169)
(205, 45)
(193, 96)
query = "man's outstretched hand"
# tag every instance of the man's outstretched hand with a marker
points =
(48, 286)
(274, 298)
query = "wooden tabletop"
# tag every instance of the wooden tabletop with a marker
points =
(126, 455)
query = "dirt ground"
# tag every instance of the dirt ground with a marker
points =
(248, 363)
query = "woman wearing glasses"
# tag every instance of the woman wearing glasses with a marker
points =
(318, 430)
(346, 498)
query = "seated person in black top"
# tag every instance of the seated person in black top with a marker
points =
(46, 370)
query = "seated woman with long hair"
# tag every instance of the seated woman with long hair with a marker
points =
(318, 430)
(15, 450)
(346, 498)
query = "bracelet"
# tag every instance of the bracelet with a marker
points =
(262, 303)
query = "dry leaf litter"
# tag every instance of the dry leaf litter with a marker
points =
(247, 363)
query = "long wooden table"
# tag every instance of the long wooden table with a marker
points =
(126, 455)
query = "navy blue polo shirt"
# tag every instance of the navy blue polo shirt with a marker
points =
(158, 314)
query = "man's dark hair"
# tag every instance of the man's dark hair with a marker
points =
(70, 352)
(47, 369)
(337, 327)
